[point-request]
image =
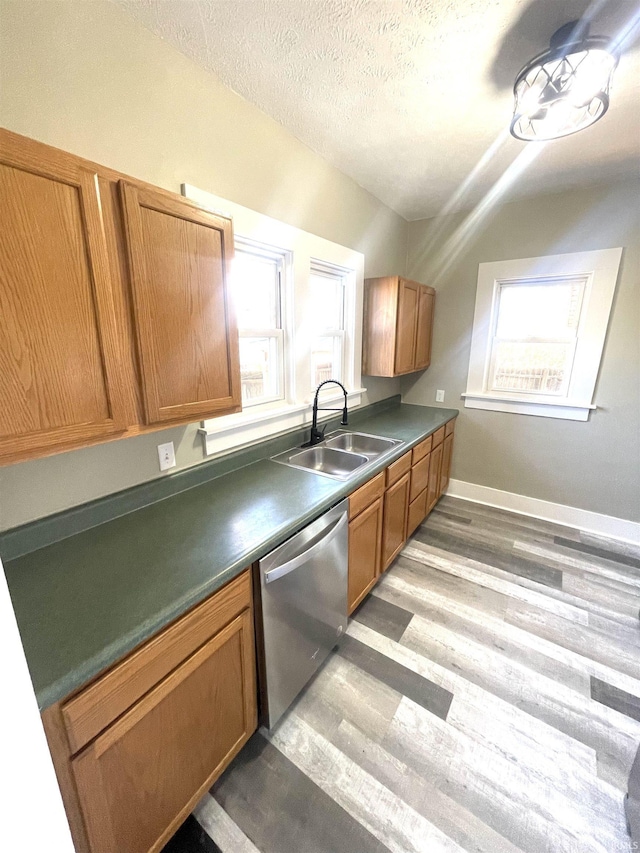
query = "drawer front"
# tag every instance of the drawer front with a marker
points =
(366, 495)
(421, 450)
(419, 477)
(398, 468)
(449, 427)
(92, 710)
(438, 436)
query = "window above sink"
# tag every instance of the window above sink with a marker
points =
(283, 360)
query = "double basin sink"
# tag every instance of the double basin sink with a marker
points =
(340, 455)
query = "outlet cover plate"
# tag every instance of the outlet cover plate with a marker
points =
(166, 456)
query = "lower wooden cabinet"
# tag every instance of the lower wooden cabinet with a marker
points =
(365, 544)
(130, 787)
(396, 508)
(417, 512)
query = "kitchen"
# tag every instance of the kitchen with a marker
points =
(88, 79)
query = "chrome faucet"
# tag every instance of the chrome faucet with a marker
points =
(317, 435)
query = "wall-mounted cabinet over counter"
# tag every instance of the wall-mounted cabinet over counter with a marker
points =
(398, 326)
(116, 316)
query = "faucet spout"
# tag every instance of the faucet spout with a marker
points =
(317, 435)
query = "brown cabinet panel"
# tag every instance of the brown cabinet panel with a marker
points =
(419, 477)
(447, 452)
(433, 489)
(420, 450)
(141, 777)
(417, 512)
(365, 543)
(366, 494)
(424, 329)
(408, 297)
(398, 468)
(187, 335)
(397, 328)
(60, 378)
(396, 506)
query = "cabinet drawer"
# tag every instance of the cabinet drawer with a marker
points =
(449, 426)
(398, 468)
(92, 710)
(421, 450)
(366, 495)
(438, 437)
(419, 477)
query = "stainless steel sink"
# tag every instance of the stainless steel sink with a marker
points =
(359, 442)
(340, 455)
(326, 460)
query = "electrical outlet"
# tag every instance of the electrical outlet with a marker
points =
(166, 456)
(439, 396)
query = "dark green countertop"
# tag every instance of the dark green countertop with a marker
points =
(85, 601)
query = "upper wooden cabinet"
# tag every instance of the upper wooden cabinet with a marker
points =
(114, 301)
(186, 332)
(60, 377)
(398, 323)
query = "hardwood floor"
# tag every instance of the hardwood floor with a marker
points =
(486, 699)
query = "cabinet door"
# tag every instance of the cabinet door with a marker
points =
(424, 329)
(60, 380)
(365, 546)
(406, 326)
(417, 512)
(447, 451)
(187, 335)
(433, 489)
(396, 506)
(139, 779)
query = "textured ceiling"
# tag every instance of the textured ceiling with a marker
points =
(406, 96)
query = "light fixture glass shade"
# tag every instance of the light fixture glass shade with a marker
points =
(563, 90)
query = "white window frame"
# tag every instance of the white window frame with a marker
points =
(278, 333)
(302, 251)
(599, 269)
(330, 271)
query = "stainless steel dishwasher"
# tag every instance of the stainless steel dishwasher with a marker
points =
(304, 606)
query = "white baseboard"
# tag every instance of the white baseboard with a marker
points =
(570, 516)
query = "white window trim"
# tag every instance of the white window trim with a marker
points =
(283, 261)
(601, 269)
(303, 251)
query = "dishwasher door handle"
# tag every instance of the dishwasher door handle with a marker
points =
(296, 562)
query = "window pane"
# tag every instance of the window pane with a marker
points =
(255, 285)
(539, 368)
(259, 369)
(326, 359)
(547, 311)
(327, 301)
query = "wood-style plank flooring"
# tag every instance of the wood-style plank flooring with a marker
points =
(486, 699)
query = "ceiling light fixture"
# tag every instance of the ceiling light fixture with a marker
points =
(566, 88)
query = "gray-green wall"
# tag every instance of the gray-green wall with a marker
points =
(593, 465)
(85, 77)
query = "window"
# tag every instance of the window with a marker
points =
(539, 331)
(298, 302)
(327, 287)
(256, 287)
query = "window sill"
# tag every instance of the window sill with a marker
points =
(571, 410)
(233, 432)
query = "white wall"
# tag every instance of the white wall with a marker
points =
(34, 817)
